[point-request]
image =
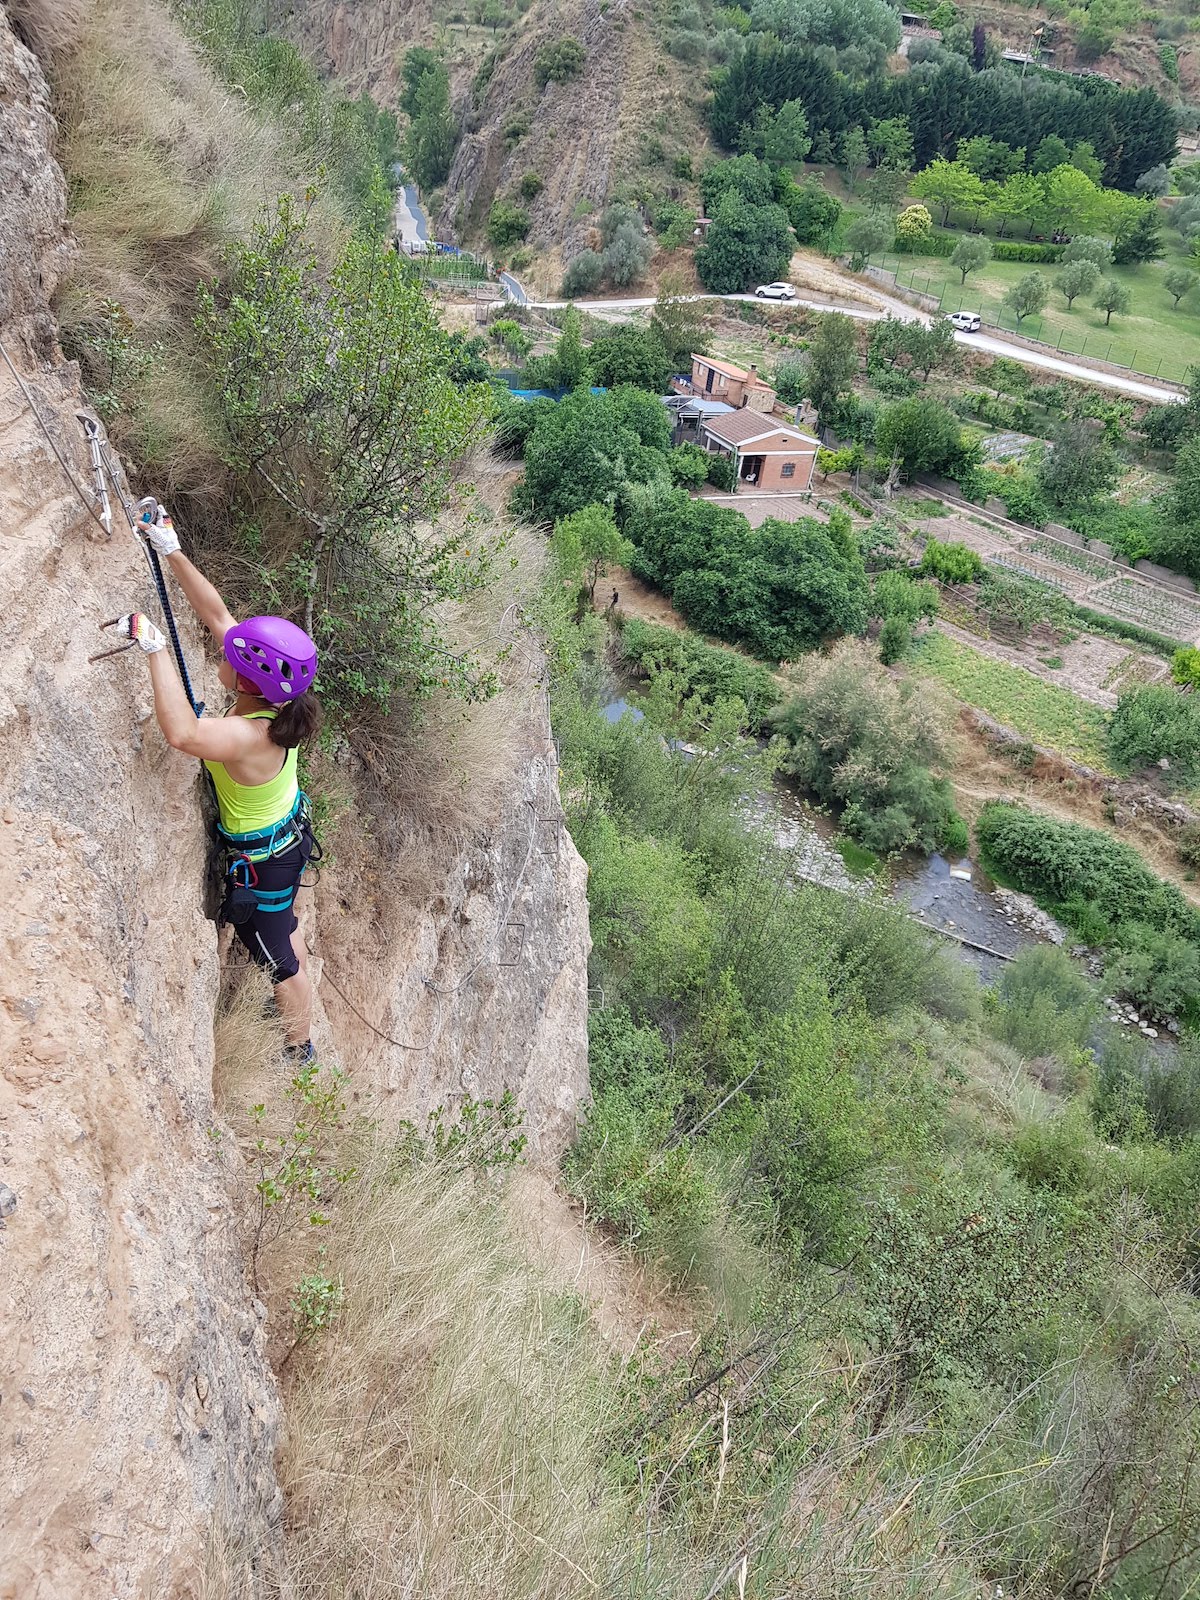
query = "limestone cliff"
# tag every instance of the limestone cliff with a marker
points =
(138, 1411)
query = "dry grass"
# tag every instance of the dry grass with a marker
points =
(444, 1441)
(51, 28)
(248, 1039)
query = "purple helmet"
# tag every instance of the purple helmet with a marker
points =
(276, 656)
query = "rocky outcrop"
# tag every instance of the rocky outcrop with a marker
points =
(485, 989)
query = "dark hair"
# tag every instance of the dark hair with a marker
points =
(296, 721)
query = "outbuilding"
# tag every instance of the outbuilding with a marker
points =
(767, 455)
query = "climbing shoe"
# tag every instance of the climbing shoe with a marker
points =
(300, 1054)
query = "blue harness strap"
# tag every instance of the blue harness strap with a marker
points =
(262, 846)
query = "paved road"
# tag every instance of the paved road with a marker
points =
(513, 290)
(1139, 388)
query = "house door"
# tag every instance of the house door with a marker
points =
(708, 380)
(751, 469)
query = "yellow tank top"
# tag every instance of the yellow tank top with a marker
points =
(255, 808)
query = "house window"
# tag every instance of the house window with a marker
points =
(788, 469)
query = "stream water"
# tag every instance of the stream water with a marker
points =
(950, 896)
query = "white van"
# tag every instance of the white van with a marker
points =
(966, 321)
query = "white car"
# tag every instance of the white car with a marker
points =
(965, 321)
(775, 291)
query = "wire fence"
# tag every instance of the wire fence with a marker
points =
(1096, 346)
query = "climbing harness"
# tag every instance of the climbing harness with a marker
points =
(138, 517)
(245, 852)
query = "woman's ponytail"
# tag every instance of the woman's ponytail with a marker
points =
(296, 721)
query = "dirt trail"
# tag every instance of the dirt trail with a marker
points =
(624, 1298)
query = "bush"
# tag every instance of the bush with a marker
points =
(558, 62)
(1156, 723)
(895, 594)
(707, 669)
(950, 562)
(862, 740)
(506, 224)
(531, 185)
(1185, 665)
(688, 465)
(1021, 495)
(895, 638)
(721, 472)
(1047, 1007)
(1102, 889)
(583, 274)
(1015, 250)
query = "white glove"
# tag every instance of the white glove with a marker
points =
(136, 625)
(157, 528)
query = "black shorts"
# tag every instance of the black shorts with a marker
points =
(267, 935)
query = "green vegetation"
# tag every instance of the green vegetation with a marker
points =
(798, 1103)
(432, 131)
(1101, 888)
(559, 61)
(343, 428)
(1041, 712)
(711, 671)
(865, 741)
(1156, 723)
(950, 562)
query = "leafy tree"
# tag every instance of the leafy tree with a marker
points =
(677, 323)
(429, 144)
(890, 141)
(1071, 200)
(583, 273)
(1079, 467)
(417, 62)
(785, 137)
(813, 212)
(914, 225)
(1185, 491)
(779, 589)
(467, 358)
(1139, 236)
(594, 534)
(570, 357)
(584, 450)
(1015, 200)
(745, 244)
(626, 255)
(507, 224)
(1085, 247)
(989, 158)
(336, 401)
(921, 433)
(853, 153)
(688, 465)
(1027, 296)
(1084, 159)
(868, 234)
(745, 175)
(559, 61)
(833, 361)
(951, 185)
(1051, 152)
(1076, 278)
(970, 253)
(509, 333)
(1178, 281)
(950, 562)
(1112, 296)
(792, 376)
(632, 356)
(895, 594)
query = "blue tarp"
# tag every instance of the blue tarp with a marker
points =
(545, 394)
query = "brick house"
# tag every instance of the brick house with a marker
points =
(770, 455)
(736, 386)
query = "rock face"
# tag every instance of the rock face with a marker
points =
(136, 1405)
(486, 991)
(139, 1417)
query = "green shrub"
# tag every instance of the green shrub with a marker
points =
(721, 473)
(950, 562)
(1021, 495)
(707, 669)
(1059, 1154)
(506, 224)
(895, 594)
(688, 465)
(1016, 250)
(895, 639)
(1154, 723)
(583, 274)
(1187, 844)
(559, 61)
(1046, 1006)
(531, 185)
(863, 740)
(1096, 883)
(1185, 665)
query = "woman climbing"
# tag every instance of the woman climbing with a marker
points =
(251, 753)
